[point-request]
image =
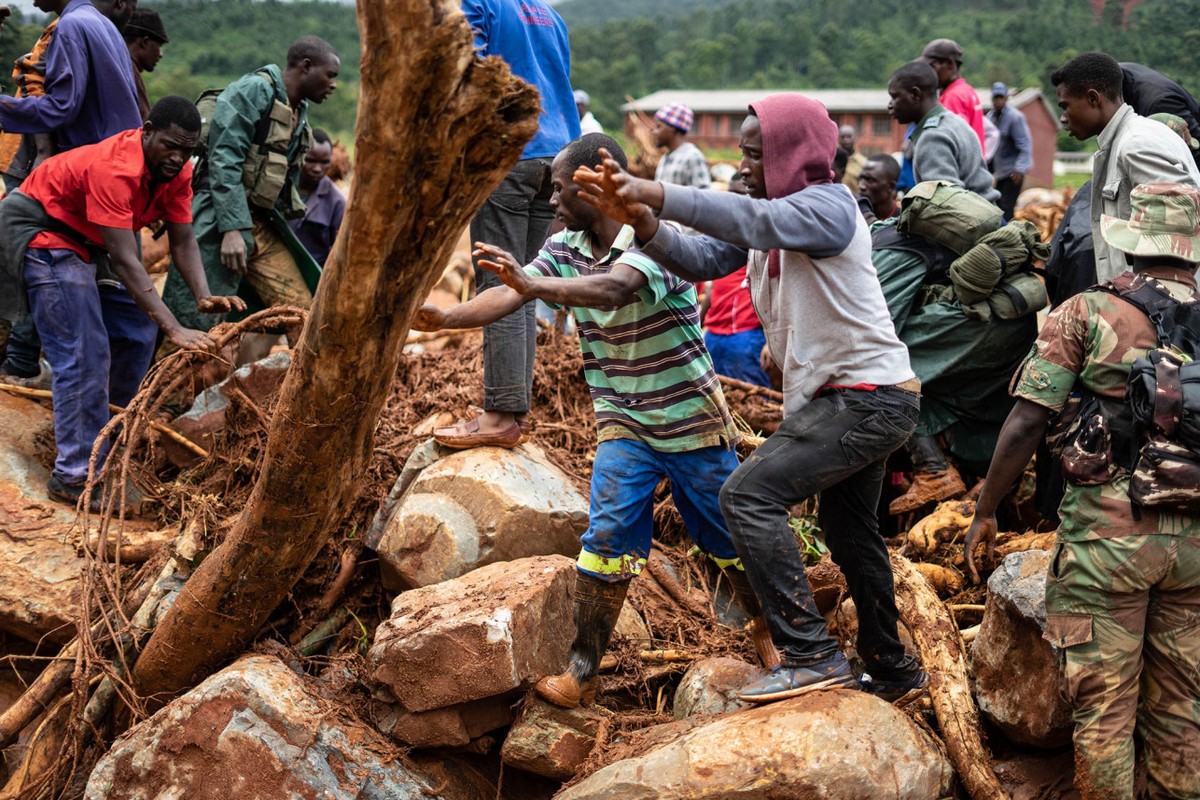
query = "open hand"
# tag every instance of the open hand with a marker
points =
(982, 531)
(220, 305)
(615, 192)
(428, 318)
(188, 339)
(501, 262)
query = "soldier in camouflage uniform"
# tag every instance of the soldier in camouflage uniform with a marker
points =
(1123, 590)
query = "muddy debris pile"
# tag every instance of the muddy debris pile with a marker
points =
(401, 665)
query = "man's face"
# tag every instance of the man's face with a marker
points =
(316, 164)
(318, 79)
(874, 185)
(1082, 114)
(167, 150)
(663, 134)
(751, 168)
(147, 52)
(847, 139)
(574, 213)
(905, 102)
(999, 101)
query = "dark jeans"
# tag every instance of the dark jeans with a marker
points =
(24, 349)
(99, 344)
(1009, 191)
(517, 217)
(835, 446)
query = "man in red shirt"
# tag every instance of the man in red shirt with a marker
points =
(73, 228)
(958, 96)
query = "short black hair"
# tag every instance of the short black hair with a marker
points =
(890, 168)
(840, 159)
(916, 75)
(313, 48)
(320, 136)
(585, 151)
(1093, 70)
(175, 110)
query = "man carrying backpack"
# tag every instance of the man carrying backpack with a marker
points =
(246, 182)
(1123, 591)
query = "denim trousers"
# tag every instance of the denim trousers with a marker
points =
(738, 355)
(516, 217)
(99, 344)
(625, 474)
(834, 447)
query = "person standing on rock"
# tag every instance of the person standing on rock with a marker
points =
(531, 37)
(73, 254)
(1123, 590)
(660, 412)
(850, 395)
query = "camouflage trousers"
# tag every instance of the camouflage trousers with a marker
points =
(1125, 615)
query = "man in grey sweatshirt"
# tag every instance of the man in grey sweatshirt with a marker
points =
(850, 396)
(944, 146)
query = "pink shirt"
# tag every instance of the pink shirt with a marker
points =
(961, 99)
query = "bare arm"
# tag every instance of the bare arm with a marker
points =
(485, 308)
(1019, 439)
(186, 255)
(121, 245)
(610, 290)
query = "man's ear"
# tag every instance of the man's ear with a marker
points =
(1094, 99)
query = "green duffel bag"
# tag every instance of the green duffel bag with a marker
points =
(1014, 297)
(947, 214)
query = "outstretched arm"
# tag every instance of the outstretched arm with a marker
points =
(1018, 440)
(610, 290)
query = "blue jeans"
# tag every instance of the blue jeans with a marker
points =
(835, 446)
(517, 218)
(99, 344)
(625, 474)
(738, 355)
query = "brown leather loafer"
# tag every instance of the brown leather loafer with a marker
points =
(466, 435)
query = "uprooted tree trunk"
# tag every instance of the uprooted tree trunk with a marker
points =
(437, 130)
(944, 655)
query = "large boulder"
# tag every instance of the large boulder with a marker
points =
(39, 593)
(453, 726)
(470, 508)
(711, 686)
(259, 730)
(550, 741)
(829, 744)
(1018, 681)
(485, 634)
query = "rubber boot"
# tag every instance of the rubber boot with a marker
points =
(597, 606)
(934, 478)
(760, 635)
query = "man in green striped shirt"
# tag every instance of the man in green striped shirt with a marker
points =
(659, 407)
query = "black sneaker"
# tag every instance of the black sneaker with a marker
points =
(787, 681)
(900, 691)
(69, 493)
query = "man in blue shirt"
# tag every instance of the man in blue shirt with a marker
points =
(324, 203)
(532, 39)
(89, 89)
(1014, 154)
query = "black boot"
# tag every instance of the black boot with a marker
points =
(597, 606)
(760, 636)
(934, 477)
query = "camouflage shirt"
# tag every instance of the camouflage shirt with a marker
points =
(1092, 340)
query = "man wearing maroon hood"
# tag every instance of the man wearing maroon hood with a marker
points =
(850, 396)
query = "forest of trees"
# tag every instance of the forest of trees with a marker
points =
(634, 47)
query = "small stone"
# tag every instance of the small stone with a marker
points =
(711, 686)
(551, 741)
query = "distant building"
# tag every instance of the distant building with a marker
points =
(719, 115)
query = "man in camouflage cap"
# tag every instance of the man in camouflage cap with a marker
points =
(1123, 590)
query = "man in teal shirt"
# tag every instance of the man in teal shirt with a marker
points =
(259, 128)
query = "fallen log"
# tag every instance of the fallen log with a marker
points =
(428, 157)
(944, 656)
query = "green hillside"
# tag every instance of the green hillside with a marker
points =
(648, 45)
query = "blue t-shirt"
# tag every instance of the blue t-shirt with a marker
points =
(532, 38)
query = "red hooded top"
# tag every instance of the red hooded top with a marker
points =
(799, 142)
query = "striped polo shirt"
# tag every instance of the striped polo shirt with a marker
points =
(648, 372)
